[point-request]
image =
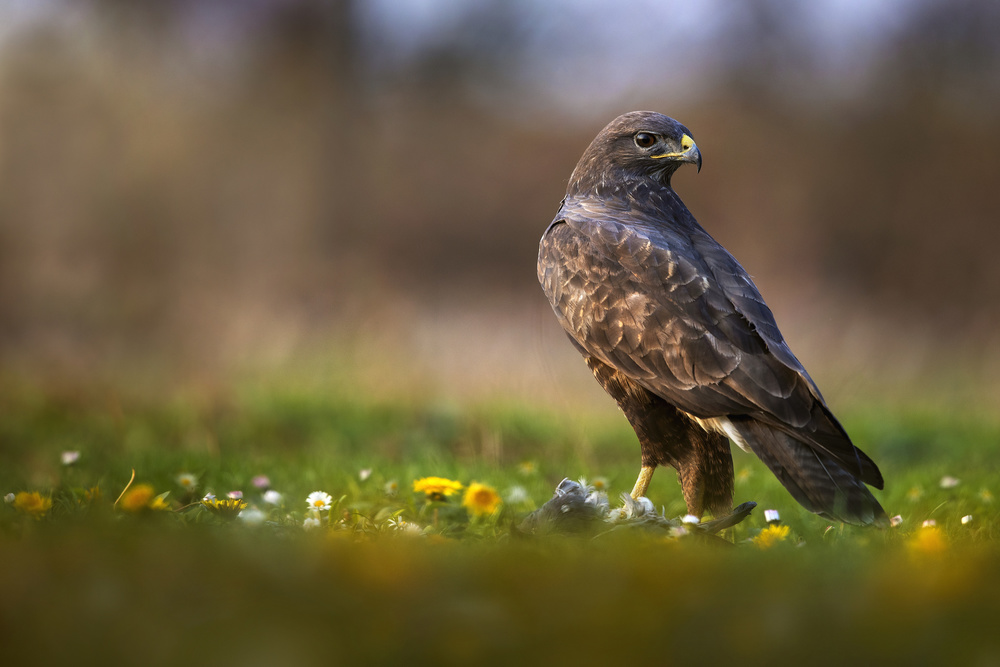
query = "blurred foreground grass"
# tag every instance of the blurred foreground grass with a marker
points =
(86, 583)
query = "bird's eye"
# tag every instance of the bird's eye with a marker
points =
(644, 139)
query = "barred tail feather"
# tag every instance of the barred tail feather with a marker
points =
(815, 479)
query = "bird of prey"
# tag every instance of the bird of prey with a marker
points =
(677, 333)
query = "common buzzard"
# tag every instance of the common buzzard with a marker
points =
(675, 330)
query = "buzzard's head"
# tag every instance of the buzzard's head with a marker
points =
(637, 146)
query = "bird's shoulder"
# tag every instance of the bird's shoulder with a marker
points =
(600, 232)
(660, 299)
(662, 254)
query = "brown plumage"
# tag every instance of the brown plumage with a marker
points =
(675, 330)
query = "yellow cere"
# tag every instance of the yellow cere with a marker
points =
(686, 144)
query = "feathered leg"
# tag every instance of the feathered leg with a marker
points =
(667, 436)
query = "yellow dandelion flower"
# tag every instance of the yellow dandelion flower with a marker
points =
(914, 494)
(481, 500)
(142, 497)
(527, 468)
(986, 496)
(437, 488)
(771, 535)
(93, 494)
(928, 540)
(137, 498)
(32, 503)
(226, 508)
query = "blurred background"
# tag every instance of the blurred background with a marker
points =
(196, 190)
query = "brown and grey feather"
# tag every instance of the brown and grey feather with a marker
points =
(676, 331)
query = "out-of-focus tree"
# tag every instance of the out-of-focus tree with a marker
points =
(208, 181)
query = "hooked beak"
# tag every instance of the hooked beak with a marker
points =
(689, 153)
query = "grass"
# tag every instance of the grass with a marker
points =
(89, 582)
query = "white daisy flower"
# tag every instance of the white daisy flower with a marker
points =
(319, 501)
(517, 494)
(310, 523)
(187, 481)
(272, 497)
(949, 482)
(403, 526)
(364, 474)
(70, 457)
(252, 516)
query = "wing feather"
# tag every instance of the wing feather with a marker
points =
(676, 312)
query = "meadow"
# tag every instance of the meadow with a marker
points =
(278, 385)
(99, 567)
